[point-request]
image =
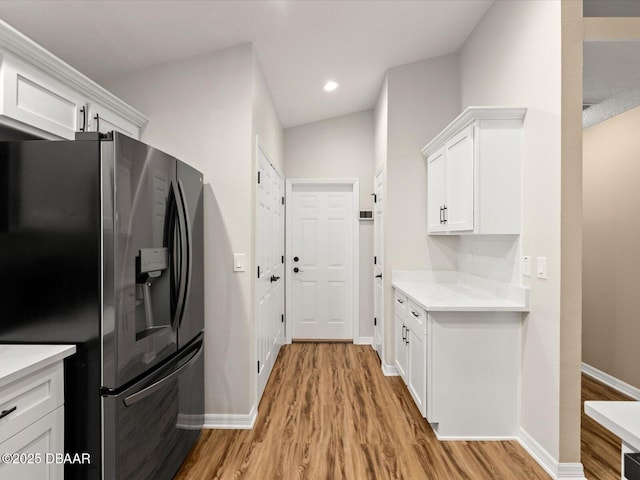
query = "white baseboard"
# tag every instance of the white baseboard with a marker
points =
(611, 381)
(231, 420)
(363, 341)
(189, 422)
(389, 370)
(557, 470)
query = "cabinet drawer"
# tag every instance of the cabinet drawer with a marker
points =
(417, 318)
(30, 398)
(400, 302)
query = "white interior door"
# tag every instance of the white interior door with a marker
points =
(378, 255)
(269, 262)
(321, 261)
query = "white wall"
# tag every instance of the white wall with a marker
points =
(340, 147)
(421, 99)
(202, 111)
(490, 256)
(513, 58)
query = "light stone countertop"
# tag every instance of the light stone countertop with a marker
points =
(621, 418)
(456, 292)
(20, 360)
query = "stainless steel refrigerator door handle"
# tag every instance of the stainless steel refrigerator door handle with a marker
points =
(145, 392)
(181, 251)
(185, 239)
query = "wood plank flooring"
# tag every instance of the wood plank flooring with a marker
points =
(600, 448)
(329, 413)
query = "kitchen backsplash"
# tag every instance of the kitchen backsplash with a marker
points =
(490, 256)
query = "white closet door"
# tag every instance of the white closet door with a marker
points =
(269, 262)
(378, 268)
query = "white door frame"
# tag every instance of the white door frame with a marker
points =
(355, 186)
(259, 147)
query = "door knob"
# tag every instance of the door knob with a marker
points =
(296, 270)
(379, 275)
(274, 278)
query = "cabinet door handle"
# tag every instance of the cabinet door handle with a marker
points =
(406, 340)
(379, 276)
(445, 214)
(97, 119)
(399, 301)
(415, 314)
(4, 413)
(83, 111)
(441, 210)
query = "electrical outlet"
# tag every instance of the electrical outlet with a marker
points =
(526, 265)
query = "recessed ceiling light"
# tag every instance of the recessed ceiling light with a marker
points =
(330, 86)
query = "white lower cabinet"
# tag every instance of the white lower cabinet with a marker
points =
(411, 348)
(401, 346)
(32, 425)
(461, 368)
(417, 371)
(31, 452)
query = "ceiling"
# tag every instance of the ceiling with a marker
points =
(300, 44)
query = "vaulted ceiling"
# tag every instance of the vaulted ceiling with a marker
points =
(300, 44)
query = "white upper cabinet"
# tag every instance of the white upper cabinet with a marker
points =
(473, 173)
(36, 100)
(436, 188)
(42, 95)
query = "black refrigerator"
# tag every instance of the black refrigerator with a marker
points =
(101, 246)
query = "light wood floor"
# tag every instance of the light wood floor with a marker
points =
(600, 447)
(329, 413)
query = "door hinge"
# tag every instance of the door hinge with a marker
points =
(375, 321)
(258, 177)
(283, 259)
(258, 366)
(375, 259)
(282, 317)
(258, 272)
(283, 200)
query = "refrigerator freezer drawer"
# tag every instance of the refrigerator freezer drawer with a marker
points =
(150, 427)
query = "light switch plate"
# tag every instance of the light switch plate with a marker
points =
(238, 262)
(526, 265)
(541, 267)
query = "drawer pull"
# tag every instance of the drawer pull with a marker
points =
(415, 314)
(4, 413)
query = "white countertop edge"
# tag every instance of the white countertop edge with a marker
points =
(613, 416)
(497, 304)
(18, 361)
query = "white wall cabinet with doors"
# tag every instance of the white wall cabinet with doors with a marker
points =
(32, 410)
(411, 348)
(473, 173)
(43, 96)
